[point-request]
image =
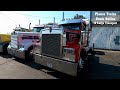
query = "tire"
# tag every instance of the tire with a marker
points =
(29, 55)
(83, 55)
(5, 49)
(80, 67)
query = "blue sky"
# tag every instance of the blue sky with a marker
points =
(57, 14)
(10, 19)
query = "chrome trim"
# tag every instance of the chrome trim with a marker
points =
(53, 48)
(69, 56)
(54, 31)
(57, 64)
(16, 53)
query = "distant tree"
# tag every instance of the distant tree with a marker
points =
(79, 16)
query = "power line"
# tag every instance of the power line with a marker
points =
(24, 19)
(33, 16)
(30, 15)
(7, 17)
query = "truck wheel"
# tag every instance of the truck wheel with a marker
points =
(80, 66)
(29, 55)
(83, 55)
(5, 49)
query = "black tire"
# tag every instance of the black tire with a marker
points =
(83, 54)
(5, 49)
(29, 55)
(79, 69)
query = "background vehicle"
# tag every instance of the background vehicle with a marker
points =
(4, 42)
(21, 44)
(64, 49)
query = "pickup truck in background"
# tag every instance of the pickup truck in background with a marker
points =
(4, 42)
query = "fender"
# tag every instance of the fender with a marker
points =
(5, 43)
(30, 47)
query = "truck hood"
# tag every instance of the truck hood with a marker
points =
(27, 32)
(53, 31)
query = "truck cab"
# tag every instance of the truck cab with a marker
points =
(37, 28)
(64, 48)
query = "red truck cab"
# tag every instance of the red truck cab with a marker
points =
(64, 48)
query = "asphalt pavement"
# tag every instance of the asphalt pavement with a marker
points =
(105, 64)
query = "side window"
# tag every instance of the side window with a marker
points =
(27, 37)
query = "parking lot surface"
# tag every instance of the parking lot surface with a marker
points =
(105, 64)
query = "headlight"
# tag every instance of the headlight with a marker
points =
(68, 54)
(69, 50)
(20, 46)
(64, 39)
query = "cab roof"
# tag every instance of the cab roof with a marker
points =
(72, 21)
(39, 26)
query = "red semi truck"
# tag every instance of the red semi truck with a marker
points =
(64, 49)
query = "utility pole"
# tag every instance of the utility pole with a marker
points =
(39, 21)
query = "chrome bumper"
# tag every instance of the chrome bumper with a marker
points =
(56, 64)
(16, 53)
(1, 48)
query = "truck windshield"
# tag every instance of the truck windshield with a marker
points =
(71, 26)
(37, 29)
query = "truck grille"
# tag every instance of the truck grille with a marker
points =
(51, 44)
